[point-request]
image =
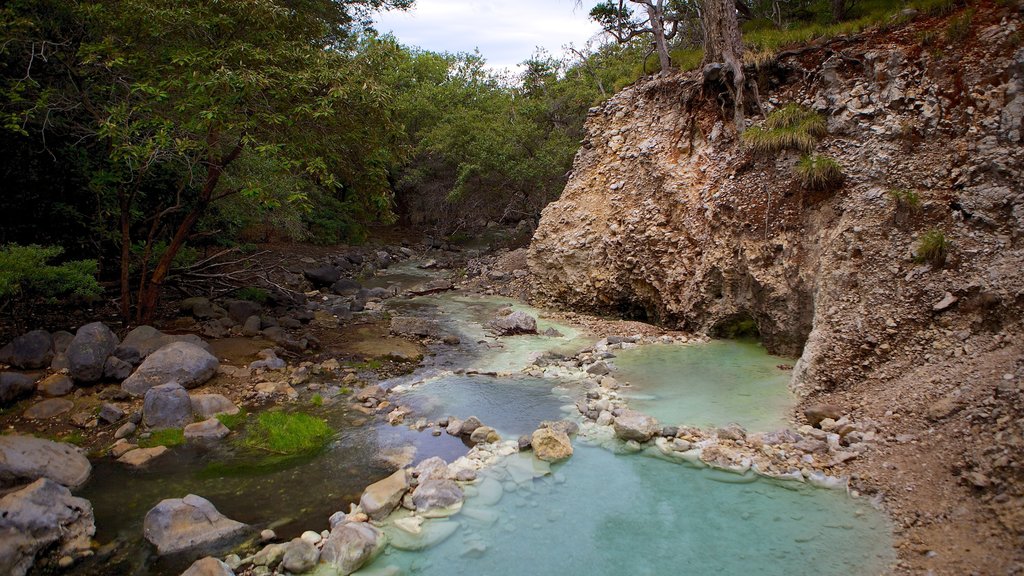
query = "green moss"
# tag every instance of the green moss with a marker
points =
(233, 421)
(790, 127)
(74, 437)
(169, 437)
(819, 172)
(932, 247)
(287, 433)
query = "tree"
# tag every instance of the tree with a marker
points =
(723, 49)
(178, 93)
(661, 21)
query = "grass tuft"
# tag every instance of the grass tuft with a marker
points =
(169, 437)
(960, 27)
(287, 433)
(791, 127)
(253, 294)
(932, 248)
(233, 421)
(905, 199)
(819, 172)
(687, 59)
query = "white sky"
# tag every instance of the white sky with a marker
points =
(505, 31)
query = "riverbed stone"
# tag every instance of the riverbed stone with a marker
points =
(517, 322)
(351, 545)
(167, 406)
(208, 566)
(484, 434)
(144, 340)
(433, 467)
(181, 363)
(26, 458)
(110, 413)
(252, 326)
(469, 425)
(299, 556)
(39, 516)
(48, 409)
(126, 430)
(322, 276)
(116, 369)
(55, 385)
(382, 497)
(632, 425)
(189, 523)
(436, 494)
(454, 427)
(209, 405)
(29, 351)
(242, 310)
(209, 430)
(815, 413)
(88, 351)
(141, 457)
(15, 386)
(551, 444)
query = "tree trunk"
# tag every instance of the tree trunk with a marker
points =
(149, 294)
(838, 10)
(656, 15)
(724, 45)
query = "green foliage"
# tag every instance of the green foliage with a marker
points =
(253, 294)
(287, 433)
(905, 199)
(932, 248)
(819, 172)
(169, 437)
(233, 421)
(959, 27)
(687, 59)
(26, 271)
(75, 437)
(934, 7)
(791, 127)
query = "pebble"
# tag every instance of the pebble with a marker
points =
(268, 535)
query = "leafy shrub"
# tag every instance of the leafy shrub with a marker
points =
(791, 127)
(905, 199)
(25, 271)
(932, 247)
(287, 433)
(253, 294)
(169, 437)
(819, 172)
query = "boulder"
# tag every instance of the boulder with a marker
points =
(38, 517)
(206, 431)
(436, 494)
(30, 350)
(484, 434)
(518, 322)
(351, 545)
(181, 363)
(382, 497)
(88, 352)
(48, 409)
(346, 287)
(322, 276)
(116, 369)
(14, 387)
(300, 556)
(26, 458)
(469, 425)
(208, 566)
(815, 413)
(55, 385)
(189, 523)
(61, 340)
(167, 406)
(241, 310)
(144, 340)
(252, 326)
(209, 405)
(433, 467)
(198, 307)
(141, 457)
(110, 413)
(413, 326)
(631, 425)
(374, 392)
(551, 444)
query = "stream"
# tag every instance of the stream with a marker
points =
(606, 510)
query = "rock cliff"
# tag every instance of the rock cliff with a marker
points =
(670, 218)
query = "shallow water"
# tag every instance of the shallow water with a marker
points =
(608, 514)
(709, 384)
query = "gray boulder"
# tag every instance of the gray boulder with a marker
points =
(209, 405)
(209, 430)
(518, 322)
(631, 425)
(116, 369)
(48, 409)
(88, 351)
(436, 494)
(42, 515)
(55, 385)
(208, 566)
(241, 310)
(30, 350)
(14, 387)
(417, 327)
(181, 363)
(252, 326)
(144, 340)
(61, 340)
(346, 287)
(167, 406)
(382, 497)
(300, 556)
(322, 276)
(351, 545)
(26, 458)
(189, 523)
(110, 413)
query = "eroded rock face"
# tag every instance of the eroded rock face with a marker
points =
(351, 545)
(551, 445)
(38, 516)
(189, 523)
(181, 363)
(88, 351)
(382, 497)
(26, 458)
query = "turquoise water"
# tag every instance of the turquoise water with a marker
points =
(709, 384)
(615, 515)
